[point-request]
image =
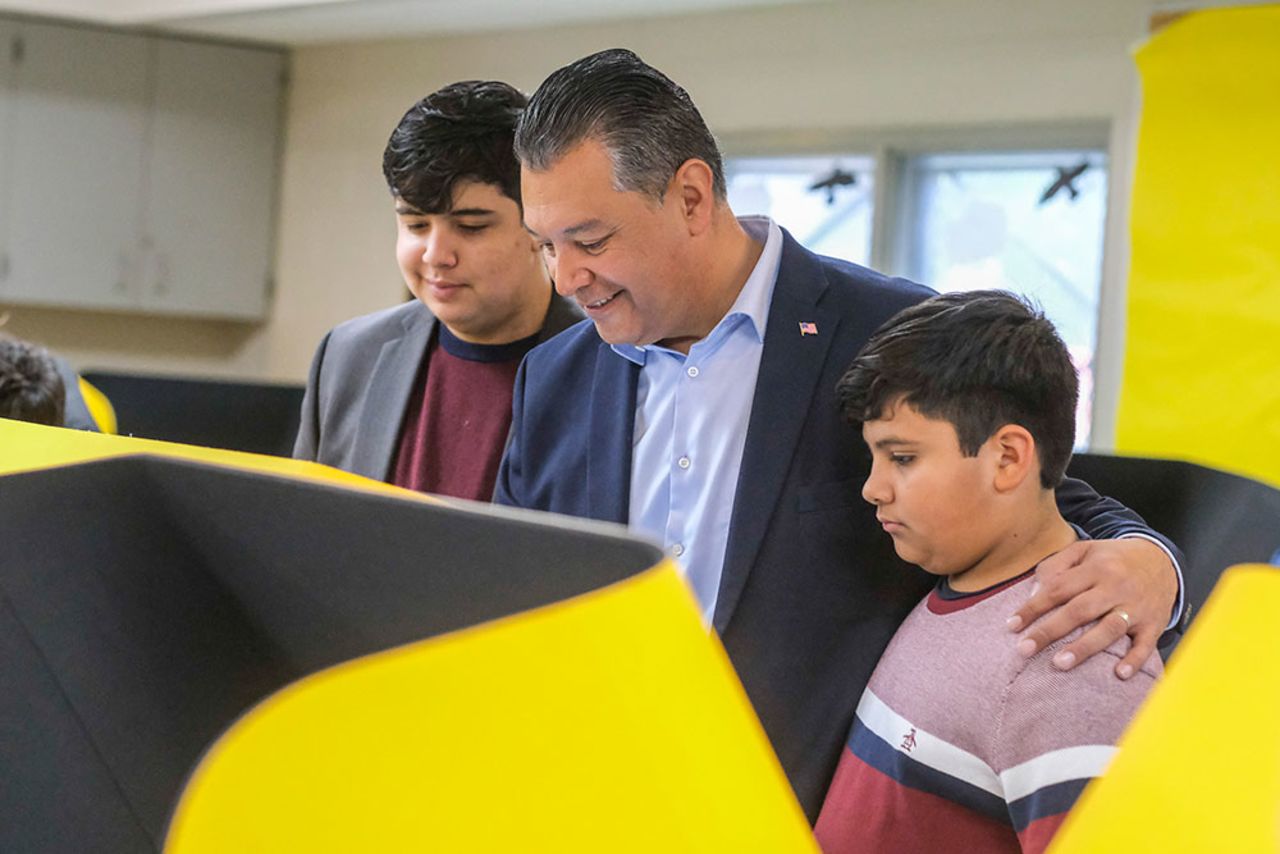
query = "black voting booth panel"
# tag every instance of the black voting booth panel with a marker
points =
(1217, 519)
(147, 603)
(259, 418)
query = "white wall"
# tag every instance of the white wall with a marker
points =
(834, 66)
(841, 67)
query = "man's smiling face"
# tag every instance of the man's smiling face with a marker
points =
(617, 253)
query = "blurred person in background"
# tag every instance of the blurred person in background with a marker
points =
(31, 387)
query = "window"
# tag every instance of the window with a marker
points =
(1028, 221)
(825, 202)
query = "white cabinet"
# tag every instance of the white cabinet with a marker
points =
(137, 173)
(212, 179)
(74, 181)
(6, 128)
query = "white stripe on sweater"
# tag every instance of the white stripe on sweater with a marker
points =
(929, 750)
(1057, 766)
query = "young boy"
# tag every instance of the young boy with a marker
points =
(967, 403)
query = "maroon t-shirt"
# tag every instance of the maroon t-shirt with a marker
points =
(455, 427)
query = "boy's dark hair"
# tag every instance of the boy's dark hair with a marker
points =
(647, 123)
(461, 132)
(978, 360)
(31, 388)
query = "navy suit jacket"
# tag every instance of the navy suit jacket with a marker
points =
(811, 590)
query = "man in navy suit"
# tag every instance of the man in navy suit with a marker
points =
(698, 406)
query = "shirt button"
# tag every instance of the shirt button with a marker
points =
(683, 462)
(677, 549)
(692, 371)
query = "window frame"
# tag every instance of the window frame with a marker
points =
(891, 149)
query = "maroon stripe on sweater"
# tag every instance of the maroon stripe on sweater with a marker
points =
(456, 424)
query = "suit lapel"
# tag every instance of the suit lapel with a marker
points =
(390, 384)
(612, 424)
(790, 367)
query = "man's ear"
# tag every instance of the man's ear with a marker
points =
(694, 189)
(1016, 457)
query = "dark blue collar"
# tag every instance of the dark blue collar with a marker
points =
(456, 347)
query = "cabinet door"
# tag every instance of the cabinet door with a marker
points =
(7, 35)
(78, 125)
(209, 221)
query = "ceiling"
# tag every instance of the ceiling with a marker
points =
(303, 22)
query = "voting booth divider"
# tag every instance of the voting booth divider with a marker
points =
(212, 651)
(1217, 518)
(206, 651)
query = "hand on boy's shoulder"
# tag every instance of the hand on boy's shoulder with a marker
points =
(1044, 709)
(1101, 665)
(1109, 588)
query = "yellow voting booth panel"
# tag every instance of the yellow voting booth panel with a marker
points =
(1199, 769)
(303, 668)
(599, 724)
(29, 447)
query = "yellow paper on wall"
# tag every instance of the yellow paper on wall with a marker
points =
(1199, 769)
(1202, 365)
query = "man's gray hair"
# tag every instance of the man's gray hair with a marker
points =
(647, 123)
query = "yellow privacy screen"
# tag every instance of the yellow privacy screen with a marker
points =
(1202, 361)
(300, 666)
(1199, 769)
(586, 726)
(24, 447)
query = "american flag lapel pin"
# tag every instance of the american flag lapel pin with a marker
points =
(807, 328)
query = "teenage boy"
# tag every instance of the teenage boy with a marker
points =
(967, 403)
(396, 395)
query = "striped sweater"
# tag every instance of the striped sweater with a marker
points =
(959, 743)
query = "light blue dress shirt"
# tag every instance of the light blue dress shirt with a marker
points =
(691, 427)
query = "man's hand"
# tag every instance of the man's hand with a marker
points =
(1103, 580)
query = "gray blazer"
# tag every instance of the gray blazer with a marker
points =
(361, 379)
